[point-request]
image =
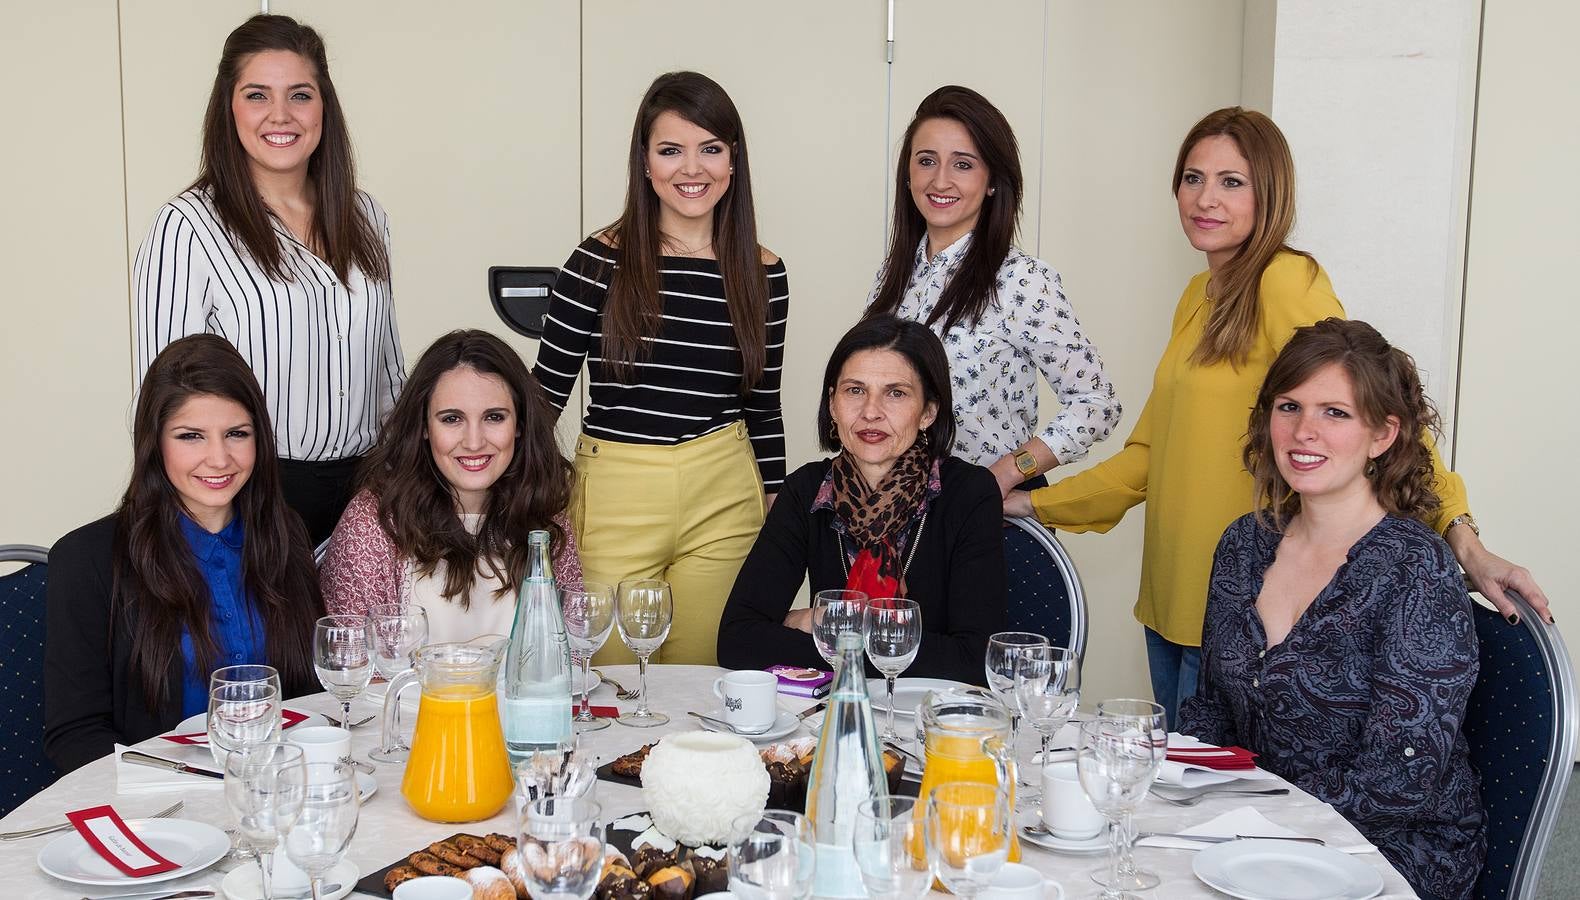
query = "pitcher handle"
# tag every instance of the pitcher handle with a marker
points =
(998, 750)
(388, 729)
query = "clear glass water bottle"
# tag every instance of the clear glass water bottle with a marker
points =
(847, 770)
(535, 690)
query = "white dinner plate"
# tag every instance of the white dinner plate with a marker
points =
(191, 845)
(1286, 870)
(908, 693)
(367, 786)
(198, 724)
(782, 726)
(244, 883)
(1047, 840)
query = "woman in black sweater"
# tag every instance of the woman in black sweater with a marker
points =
(892, 514)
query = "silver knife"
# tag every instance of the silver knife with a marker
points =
(811, 711)
(154, 895)
(137, 757)
(1221, 839)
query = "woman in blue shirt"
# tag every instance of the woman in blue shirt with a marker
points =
(202, 566)
(1338, 642)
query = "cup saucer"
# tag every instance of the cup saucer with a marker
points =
(1032, 833)
(784, 724)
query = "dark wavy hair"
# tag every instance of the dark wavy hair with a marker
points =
(634, 307)
(1386, 383)
(973, 287)
(417, 506)
(342, 234)
(922, 349)
(154, 569)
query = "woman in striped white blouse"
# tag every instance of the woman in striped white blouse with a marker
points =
(275, 249)
(680, 317)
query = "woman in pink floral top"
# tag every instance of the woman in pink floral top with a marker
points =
(465, 467)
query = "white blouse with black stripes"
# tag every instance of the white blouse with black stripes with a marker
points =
(326, 353)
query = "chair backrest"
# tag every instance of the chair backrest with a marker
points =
(319, 551)
(1044, 591)
(24, 771)
(1522, 727)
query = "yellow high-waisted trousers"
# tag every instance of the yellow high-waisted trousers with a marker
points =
(686, 514)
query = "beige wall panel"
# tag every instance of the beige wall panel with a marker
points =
(64, 355)
(810, 89)
(1518, 366)
(1125, 82)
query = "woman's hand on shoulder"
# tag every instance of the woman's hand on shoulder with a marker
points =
(1491, 574)
(1018, 503)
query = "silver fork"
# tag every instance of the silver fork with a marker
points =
(619, 689)
(338, 724)
(51, 829)
(1194, 799)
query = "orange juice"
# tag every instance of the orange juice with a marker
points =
(458, 770)
(960, 757)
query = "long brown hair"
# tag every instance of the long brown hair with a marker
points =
(342, 234)
(417, 506)
(634, 307)
(973, 287)
(1385, 382)
(154, 569)
(1236, 313)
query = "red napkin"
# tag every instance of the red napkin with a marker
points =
(288, 717)
(605, 712)
(1224, 758)
(102, 828)
(865, 577)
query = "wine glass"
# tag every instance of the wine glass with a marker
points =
(834, 613)
(1047, 690)
(968, 830)
(589, 616)
(1121, 750)
(772, 856)
(343, 658)
(890, 846)
(246, 673)
(561, 848)
(241, 714)
(317, 840)
(264, 788)
(999, 664)
(644, 611)
(894, 634)
(396, 634)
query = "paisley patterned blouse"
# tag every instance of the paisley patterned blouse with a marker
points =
(993, 365)
(1361, 704)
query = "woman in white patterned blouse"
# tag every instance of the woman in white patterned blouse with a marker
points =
(1000, 312)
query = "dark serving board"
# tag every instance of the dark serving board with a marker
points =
(374, 882)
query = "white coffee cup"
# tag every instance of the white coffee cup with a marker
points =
(1066, 809)
(433, 887)
(1021, 882)
(322, 743)
(750, 699)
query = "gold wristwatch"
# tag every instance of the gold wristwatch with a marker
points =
(1026, 463)
(1465, 520)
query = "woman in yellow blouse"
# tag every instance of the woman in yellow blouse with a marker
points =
(1234, 182)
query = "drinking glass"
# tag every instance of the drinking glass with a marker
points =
(968, 829)
(561, 848)
(894, 634)
(396, 634)
(772, 856)
(999, 664)
(644, 611)
(246, 673)
(264, 788)
(563, 771)
(589, 616)
(241, 714)
(343, 658)
(318, 838)
(889, 831)
(1047, 690)
(833, 614)
(1121, 750)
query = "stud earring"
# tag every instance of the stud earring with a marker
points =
(991, 191)
(1371, 468)
(732, 170)
(647, 173)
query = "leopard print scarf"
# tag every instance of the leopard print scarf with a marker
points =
(876, 518)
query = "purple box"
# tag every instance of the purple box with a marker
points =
(797, 681)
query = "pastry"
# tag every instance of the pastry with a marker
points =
(477, 848)
(510, 864)
(630, 765)
(713, 875)
(453, 855)
(428, 864)
(500, 842)
(488, 883)
(399, 874)
(673, 882)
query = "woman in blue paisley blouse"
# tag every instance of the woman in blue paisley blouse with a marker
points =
(1000, 312)
(1338, 643)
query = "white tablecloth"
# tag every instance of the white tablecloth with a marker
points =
(388, 829)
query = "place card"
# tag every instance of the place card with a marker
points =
(102, 828)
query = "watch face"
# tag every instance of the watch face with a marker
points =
(1026, 463)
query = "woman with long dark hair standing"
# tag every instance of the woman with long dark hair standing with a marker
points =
(1001, 313)
(275, 249)
(679, 315)
(202, 566)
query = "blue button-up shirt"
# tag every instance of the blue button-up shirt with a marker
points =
(237, 627)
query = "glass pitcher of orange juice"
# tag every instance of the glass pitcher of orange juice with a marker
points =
(966, 738)
(457, 770)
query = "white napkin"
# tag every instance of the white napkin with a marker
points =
(1188, 775)
(136, 779)
(1244, 820)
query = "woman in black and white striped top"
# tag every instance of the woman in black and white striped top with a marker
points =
(680, 318)
(275, 249)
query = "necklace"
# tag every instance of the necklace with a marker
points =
(916, 540)
(684, 250)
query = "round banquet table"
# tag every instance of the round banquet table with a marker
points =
(388, 830)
